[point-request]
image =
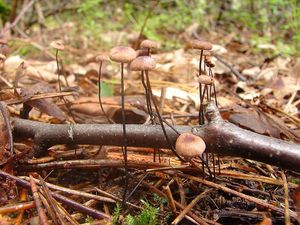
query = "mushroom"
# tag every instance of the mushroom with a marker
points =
(149, 44)
(211, 74)
(123, 54)
(189, 146)
(144, 64)
(101, 58)
(58, 46)
(204, 79)
(204, 47)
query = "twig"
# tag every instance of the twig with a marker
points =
(91, 164)
(150, 10)
(170, 199)
(38, 96)
(71, 191)
(190, 206)
(19, 207)
(220, 137)
(38, 203)
(191, 216)
(287, 219)
(51, 201)
(17, 19)
(234, 71)
(236, 193)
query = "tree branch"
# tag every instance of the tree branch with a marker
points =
(220, 136)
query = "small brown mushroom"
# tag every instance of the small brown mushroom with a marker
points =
(102, 57)
(148, 44)
(189, 146)
(58, 45)
(143, 63)
(202, 45)
(122, 54)
(204, 79)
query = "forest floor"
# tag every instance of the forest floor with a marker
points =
(256, 89)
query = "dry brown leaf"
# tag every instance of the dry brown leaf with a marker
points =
(4, 136)
(44, 105)
(261, 123)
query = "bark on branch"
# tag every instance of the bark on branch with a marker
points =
(220, 137)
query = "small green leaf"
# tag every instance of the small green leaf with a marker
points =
(106, 89)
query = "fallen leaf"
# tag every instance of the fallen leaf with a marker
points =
(44, 105)
(5, 141)
(261, 123)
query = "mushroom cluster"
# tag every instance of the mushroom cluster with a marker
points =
(205, 76)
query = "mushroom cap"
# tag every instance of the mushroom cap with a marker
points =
(204, 79)
(203, 45)
(143, 63)
(58, 45)
(102, 57)
(149, 44)
(189, 145)
(2, 57)
(122, 54)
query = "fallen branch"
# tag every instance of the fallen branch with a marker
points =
(220, 136)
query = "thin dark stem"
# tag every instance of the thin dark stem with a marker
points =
(136, 186)
(124, 135)
(214, 169)
(58, 70)
(99, 94)
(59, 84)
(214, 86)
(168, 124)
(200, 109)
(148, 100)
(160, 118)
(64, 73)
(201, 105)
(200, 62)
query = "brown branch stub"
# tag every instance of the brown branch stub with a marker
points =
(220, 137)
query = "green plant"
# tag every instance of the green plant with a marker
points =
(89, 220)
(116, 214)
(5, 10)
(148, 216)
(274, 21)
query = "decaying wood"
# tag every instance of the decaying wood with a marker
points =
(220, 136)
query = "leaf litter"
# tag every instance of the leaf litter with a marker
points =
(266, 103)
